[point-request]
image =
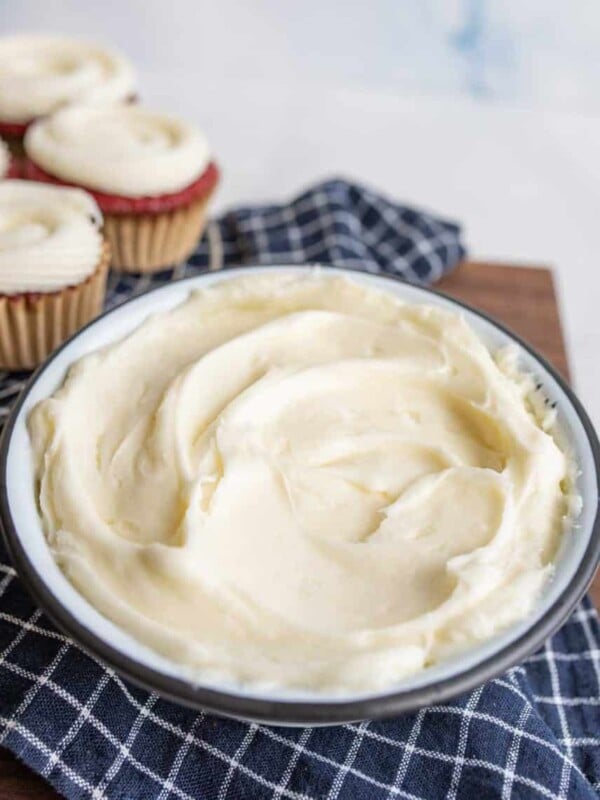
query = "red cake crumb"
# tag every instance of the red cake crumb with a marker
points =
(16, 130)
(15, 168)
(119, 204)
(13, 130)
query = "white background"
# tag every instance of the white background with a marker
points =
(486, 111)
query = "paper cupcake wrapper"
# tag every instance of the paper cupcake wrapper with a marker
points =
(151, 242)
(33, 325)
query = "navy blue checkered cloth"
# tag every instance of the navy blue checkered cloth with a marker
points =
(534, 732)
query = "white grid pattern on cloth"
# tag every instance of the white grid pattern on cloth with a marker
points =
(513, 753)
(433, 244)
(345, 768)
(246, 741)
(169, 784)
(594, 652)
(9, 574)
(538, 710)
(410, 748)
(125, 749)
(556, 690)
(463, 739)
(40, 682)
(293, 760)
(187, 739)
(81, 718)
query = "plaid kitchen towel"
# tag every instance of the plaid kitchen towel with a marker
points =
(534, 732)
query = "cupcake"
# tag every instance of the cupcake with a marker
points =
(39, 74)
(151, 174)
(53, 267)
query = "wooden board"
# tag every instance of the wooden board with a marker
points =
(522, 298)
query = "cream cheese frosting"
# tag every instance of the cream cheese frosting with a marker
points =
(125, 150)
(40, 73)
(49, 236)
(300, 482)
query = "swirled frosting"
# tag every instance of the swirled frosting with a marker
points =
(39, 74)
(125, 150)
(49, 237)
(300, 482)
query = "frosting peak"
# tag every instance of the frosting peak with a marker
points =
(40, 73)
(125, 150)
(49, 236)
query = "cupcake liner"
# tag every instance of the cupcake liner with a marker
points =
(153, 241)
(32, 325)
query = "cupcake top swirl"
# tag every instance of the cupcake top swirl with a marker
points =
(39, 74)
(125, 150)
(49, 237)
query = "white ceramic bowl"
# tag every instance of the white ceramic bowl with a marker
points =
(575, 565)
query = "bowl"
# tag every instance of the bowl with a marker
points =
(576, 560)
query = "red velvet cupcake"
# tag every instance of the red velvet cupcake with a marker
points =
(53, 267)
(151, 174)
(41, 73)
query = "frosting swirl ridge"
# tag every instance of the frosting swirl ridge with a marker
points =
(308, 484)
(124, 150)
(40, 73)
(49, 236)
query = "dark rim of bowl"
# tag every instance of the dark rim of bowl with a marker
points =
(290, 711)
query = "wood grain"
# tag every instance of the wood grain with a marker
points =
(17, 782)
(522, 298)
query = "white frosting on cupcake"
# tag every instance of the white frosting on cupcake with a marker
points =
(40, 73)
(4, 159)
(49, 237)
(124, 150)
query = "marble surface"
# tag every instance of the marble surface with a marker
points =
(487, 111)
